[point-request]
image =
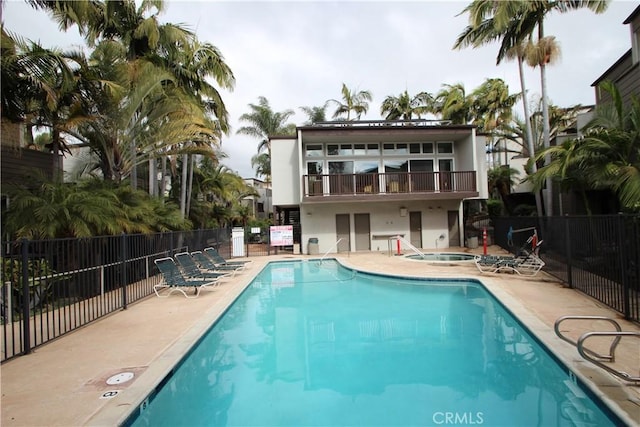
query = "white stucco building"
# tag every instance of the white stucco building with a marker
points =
(363, 182)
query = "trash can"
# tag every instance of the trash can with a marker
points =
(472, 242)
(313, 248)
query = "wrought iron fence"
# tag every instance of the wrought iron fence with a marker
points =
(598, 255)
(51, 287)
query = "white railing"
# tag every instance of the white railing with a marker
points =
(406, 242)
(332, 247)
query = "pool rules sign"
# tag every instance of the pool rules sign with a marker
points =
(281, 235)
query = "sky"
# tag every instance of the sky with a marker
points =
(299, 53)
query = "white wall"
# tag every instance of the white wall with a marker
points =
(319, 221)
(285, 172)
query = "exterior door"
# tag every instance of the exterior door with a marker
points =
(445, 167)
(415, 228)
(363, 232)
(454, 228)
(343, 231)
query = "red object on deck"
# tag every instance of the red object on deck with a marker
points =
(398, 244)
(484, 241)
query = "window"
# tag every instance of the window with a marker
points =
(314, 168)
(332, 150)
(340, 168)
(314, 151)
(373, 149)
(388, 148)
(366, 166)
(445, 147)
(414, 148)
(427, 147)
(346, 150)
(359, 149)
(260, 207)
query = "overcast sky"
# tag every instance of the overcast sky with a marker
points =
(299, 53)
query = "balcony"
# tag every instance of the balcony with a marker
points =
(389, 186)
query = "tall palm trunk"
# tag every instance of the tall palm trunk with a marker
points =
(163, 182)
(530, 146)
(183, 186)
(190, 185)
(548, 191)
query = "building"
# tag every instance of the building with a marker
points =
(625, 72)
(260, 204)
(356, 185)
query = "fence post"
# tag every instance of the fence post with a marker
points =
(567, 236)
(626, 291)
(26, 300)
(123, 270)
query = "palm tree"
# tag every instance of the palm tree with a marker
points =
(315, 114)
(358, 102)
(493, 104)
(39, 89)
(54, 209)
(515, 23)
(501, 180)
(263, 122)
(405, 107)
(608, 156)
(144, 41)
(452, 103)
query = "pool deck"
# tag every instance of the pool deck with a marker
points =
(63, 383)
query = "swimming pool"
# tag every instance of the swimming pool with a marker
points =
(311, 343)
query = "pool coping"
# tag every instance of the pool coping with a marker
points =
(36, 388)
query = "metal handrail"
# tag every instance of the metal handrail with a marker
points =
(334, 246)
(618, 334)
(406, 242)
(608, 358)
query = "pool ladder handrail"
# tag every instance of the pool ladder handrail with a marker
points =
(403, 240)
(592, 356)
(334, 246)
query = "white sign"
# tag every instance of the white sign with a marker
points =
(255, 230)
(281, 235)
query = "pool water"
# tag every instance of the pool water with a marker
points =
(316, 344)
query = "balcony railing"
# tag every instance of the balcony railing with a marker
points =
(369, 184)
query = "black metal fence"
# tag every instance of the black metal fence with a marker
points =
(598, 255)
(51, 287)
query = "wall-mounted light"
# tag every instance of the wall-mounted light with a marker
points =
(308, 213)
(430, 207)
(403, 211)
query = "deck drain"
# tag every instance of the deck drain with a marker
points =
(120, 378)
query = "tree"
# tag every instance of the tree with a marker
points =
(144, 44)
(452, 103)
(39, 90)
(358, 102)
(515, 23)
(501, 180)
(263, 122)
(405, 107)
(315, 114)
(607, 157)
(83, 209)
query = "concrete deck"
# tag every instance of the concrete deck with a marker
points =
(63, 383)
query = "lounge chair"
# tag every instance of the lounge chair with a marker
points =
(525, 264)
(207, 264)
(219, 260)
(190, 268)
(175, 281)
